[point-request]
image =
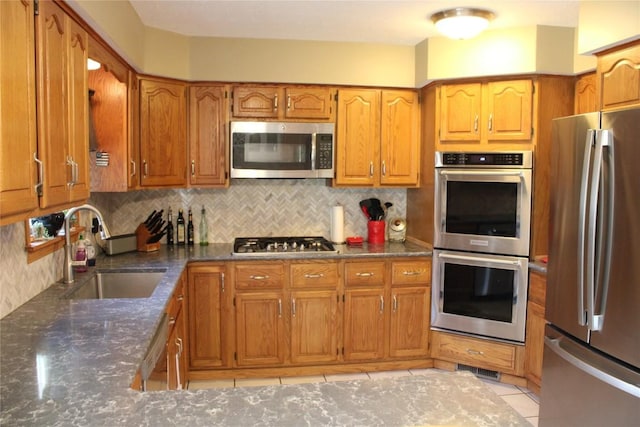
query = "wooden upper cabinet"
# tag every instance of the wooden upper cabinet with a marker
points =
(377, 138)
(283, 102)
(18, 174)
(480, 115)
(357, 136)
(460, 112)
(309, 103)
(400, 138)
(585, 99)
(208, 136)
(163, 132)
(618, 78)
(62, 104)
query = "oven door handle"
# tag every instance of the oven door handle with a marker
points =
(517, 173)
(481, 259)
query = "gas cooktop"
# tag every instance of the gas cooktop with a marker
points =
(256, 246)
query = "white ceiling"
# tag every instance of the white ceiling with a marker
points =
(389, 22)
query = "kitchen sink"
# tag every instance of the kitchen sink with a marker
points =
(104, 285)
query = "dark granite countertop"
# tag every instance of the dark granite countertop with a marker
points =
(70, 362)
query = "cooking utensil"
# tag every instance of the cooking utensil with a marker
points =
(364, 206)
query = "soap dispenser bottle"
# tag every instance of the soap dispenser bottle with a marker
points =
(80, 256)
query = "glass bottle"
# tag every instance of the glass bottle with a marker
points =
(190, 229)
(170, 228)
(204, 239)
(180, 229)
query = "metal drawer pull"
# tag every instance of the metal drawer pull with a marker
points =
(254, 277)
(411, 273)
(172, 320)
(313, 275)
(475, 352)
(364, 274)
(275, 102)
(180, 297)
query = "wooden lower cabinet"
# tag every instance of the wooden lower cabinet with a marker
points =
(364, 324)
(260, 328)
(314, 326)
(534, 345)
(209, 321)
(480, 353)
(409, 331)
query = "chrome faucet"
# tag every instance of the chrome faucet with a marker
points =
(104, 233)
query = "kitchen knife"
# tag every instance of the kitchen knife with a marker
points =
(148, 220)
(155, 220)
(157, 227)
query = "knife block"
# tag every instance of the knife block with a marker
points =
(142, 235)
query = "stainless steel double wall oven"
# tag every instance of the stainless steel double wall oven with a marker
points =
(481, 243)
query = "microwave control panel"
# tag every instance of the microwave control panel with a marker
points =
(324, 151)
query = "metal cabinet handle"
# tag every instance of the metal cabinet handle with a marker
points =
(395, 303)
(180, 297)
(222, 281)
(258, 277)
(364, 274)
(313, 275)
(172, 320)
(475, 124)
(288, 102)
(38, 186)
(475, 352)
(370, 169)
(179, 344)
(193, 168)
(76, 172)
(145, 168)
(279, 307)
(293, 307)
(384, 168)
(411, 273)
(70, 163)
(133, 168)
(275, 102)
(381, 304)
(491, 122)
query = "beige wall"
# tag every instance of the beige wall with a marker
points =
(602, 24)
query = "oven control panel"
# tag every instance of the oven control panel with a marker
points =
(513, 159)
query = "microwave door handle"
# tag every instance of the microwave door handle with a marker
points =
(480, 259)
(313, 150)
(582, 224)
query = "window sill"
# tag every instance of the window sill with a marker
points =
(39, 249)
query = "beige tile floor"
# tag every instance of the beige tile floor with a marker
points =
(521, 399)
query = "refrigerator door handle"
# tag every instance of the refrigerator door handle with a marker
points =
(601, 257)
(582, 226)
(615, 377)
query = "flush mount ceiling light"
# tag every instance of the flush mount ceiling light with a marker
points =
(462, 22)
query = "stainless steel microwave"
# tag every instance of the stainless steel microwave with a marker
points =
(282, 150)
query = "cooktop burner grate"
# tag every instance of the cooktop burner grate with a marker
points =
(286, 245)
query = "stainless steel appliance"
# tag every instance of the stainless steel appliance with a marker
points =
(282, 150)
(591, 367)
(483, 202)
(480, 294)
(260, 246)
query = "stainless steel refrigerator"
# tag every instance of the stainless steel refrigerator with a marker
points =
(591, 365)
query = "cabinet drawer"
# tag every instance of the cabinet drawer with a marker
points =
(480, 353)
(259, 276)
(364, 273)
(411, 272)
(316, 274)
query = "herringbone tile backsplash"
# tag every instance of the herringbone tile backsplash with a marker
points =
(251, 207)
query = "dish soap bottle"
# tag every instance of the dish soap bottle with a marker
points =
(80, 258)
(204, 239)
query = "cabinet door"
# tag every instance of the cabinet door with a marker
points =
(207, 136)
(460, 109)
(409, 322)
(400, 138)
(619, 78)
(585, 94)
(314, 326)
(18, 175)
(78, 111)
(357, 137)
(207, 320)
(53, 104)
(163, 132)
(308, 103)
(364, 324)
(534, 345)
(262, 101)
(508, 115)
(260, 328)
